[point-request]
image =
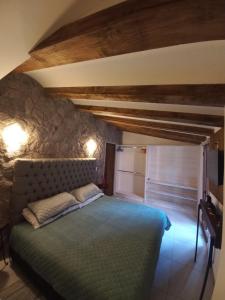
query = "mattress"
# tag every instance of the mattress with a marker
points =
(105, 250)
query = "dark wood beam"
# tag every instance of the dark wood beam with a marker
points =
(177, 136)
(190, 118)
(130, 26)
(156, 125)
(189, 94)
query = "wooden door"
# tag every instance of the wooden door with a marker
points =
(109, 169)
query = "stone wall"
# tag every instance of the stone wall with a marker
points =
(55, 128)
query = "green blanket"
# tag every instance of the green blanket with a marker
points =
(106, 250)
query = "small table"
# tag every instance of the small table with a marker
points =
(214, 224)
(4, 226)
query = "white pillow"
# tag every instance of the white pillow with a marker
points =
(50, 207)
(82, 204)
(85, 192)
(31, 218)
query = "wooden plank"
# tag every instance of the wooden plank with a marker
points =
(209, 120)
(187, 94)
(128, 27)
(167, 126)
(177, 136)
(199, 137)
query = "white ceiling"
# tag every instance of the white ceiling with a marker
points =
(184, 64)
(198, 63)
(24, 23)
(154, 120)
(154, 106)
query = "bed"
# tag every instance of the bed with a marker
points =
(105, 250)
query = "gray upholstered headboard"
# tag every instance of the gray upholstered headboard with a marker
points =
(36, 179)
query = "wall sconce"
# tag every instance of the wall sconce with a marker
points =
(91, 146)
(14, 137)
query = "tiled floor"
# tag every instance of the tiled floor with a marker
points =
(177, 276)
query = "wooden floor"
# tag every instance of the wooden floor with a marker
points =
(15, 286)
(177, 277)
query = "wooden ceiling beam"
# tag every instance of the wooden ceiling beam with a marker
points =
(177, 136)
(189, 94)
(130, 26)
(156, 125)
(190, 118)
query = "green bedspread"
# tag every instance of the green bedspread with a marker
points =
(106, 250)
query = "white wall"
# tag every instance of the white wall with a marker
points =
(130, 138)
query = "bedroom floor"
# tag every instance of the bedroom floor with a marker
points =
(177, 277)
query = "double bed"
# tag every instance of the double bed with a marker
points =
(105, 250)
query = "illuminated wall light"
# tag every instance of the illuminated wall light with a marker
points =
(14, 137)
(91, 146)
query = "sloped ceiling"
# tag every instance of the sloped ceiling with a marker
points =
(195, 63)
(24, 24)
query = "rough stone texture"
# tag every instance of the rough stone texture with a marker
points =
(56, 129)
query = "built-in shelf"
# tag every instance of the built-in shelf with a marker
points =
(171, 195)
(131, 172)
(172, 185)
